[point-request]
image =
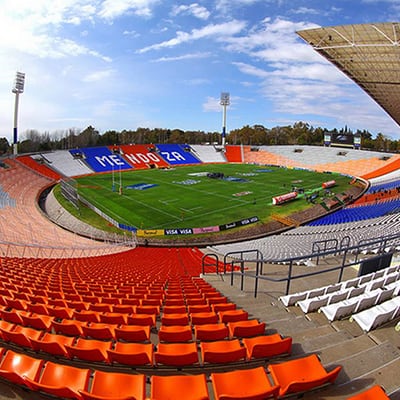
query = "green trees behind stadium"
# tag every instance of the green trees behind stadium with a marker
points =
(299, 133)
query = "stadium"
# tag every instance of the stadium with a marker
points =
(300, 302)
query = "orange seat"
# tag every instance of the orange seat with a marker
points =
(216, 300)
(68, 327)
(13, 316)
(89, 350)
(223, 307)
(175, 333)
(86, 316)
(41, 322)
(174, 309)
(77, 305)
(14, 367)
(301, 375)
(38, 308)
(267, 346)
(60, 312)
(99, 330)
(16, 304)
(61, 380)
(233, 316)
(116, 386)
(196, 302)
(176, 354)
(244, 384)
(223, 351)
(131, 353)
(187, 387)
(151, 302)
(142, 319)
(199, 308)
(175, 319)
(211, 332)
(113, 318)
(373, 393)
(100, 307)
(53, 344)
(202, 318)
(247, 328)
(57, 303)
(148, 310)
(21, 335)
(123, 309)
(133, 333)
(130, 302)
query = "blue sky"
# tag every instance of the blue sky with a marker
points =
(123, 64)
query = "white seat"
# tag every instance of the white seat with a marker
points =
(367, 300)
(313, 304)
(385, 295)
(375, 316)
(337, 297)
(339, 310)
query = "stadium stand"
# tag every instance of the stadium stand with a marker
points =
(234, 154)
(31, 231)
(141, 156)
(176, 154)
(208, 154)
(90, 320)
(101, 159)
(63, 162)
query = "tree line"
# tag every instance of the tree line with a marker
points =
(300, 133)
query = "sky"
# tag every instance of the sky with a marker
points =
(124, 64)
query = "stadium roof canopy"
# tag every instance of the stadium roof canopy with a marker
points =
(369, 54)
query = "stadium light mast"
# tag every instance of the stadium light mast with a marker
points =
(224, 101)
(18, 88)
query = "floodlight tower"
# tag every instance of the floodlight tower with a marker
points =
(18, 88)
(225, 101)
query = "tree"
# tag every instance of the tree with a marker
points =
(4, 146)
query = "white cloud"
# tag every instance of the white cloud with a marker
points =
(131, 33)
(111, 9)
(98, 75)
(219, 32)
(212, 104)
(193, 9)
(189, 56)
(306, 11)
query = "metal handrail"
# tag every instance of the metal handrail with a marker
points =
(237, 259)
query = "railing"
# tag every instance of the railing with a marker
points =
(341, 251)
(23, 250)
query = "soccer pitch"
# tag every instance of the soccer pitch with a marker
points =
(187, 197)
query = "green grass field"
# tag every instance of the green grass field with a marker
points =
(185, 197)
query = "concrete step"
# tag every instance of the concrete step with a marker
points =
(317, 343)
(386, 375)
(335, 352)
(356, 365)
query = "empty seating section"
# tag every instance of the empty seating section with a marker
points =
(69, 315)
(209, 154)
(39, 168)
(142, 156)
(234, 154)
(63, 162)
(101, 159)
(142, 323)
(359, 213)
(176, 154)
(370, 300)
(299, 241)
(24, 225)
